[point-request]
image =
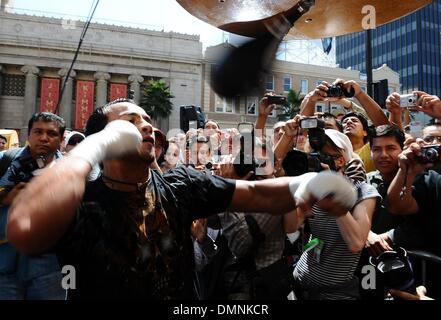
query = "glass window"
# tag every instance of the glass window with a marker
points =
(287, 84)
(270, 83)
(252, 105)
(223, 105)
(13, 85)
(304, 86)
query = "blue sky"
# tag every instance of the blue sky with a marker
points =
(165, 15)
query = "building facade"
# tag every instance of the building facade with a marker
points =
(410, 46)
(35, 51)
(284, 77)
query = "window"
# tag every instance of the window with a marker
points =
(287, 84)
(251, 105)
(270, 83)
(303, 86)
(223, 105)
(13, 85)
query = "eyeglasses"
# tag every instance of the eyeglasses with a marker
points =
(432, 139)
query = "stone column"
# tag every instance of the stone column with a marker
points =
(101, 88)
(135, 80)
(30, 98)
(67, 110)
(1, 79)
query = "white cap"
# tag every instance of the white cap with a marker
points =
(341, 141)
(71, 135)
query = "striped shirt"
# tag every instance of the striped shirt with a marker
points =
(337, 263)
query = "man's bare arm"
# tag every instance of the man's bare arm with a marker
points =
(41, 213)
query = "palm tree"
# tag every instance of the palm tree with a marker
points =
(156, 99)
(292, 105)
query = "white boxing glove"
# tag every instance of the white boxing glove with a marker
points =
(119, 137)
(323, 184)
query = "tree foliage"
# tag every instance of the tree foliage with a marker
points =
(292, 105)
(156, 99)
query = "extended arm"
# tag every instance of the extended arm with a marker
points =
(373, 110)
(42, 212)
(355, 227)
(409, 168)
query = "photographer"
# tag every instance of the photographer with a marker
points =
(37, 276)
(326, 268)
(387, 230)
(355, 125)
(429, 104)
(416, 190)
(293, 137)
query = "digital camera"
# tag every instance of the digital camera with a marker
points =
(276, 99)
(311, 123)
(430, 154)
(408, 100)
(338, 91)
(298, 162)
(27, 165)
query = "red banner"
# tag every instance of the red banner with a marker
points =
(84, 103)
(50, 93)
(117, 90)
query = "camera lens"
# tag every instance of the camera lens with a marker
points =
(431, 155)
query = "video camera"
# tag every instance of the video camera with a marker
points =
(395, 270)
(27, 165)
(297, 162)
(430, 154)
(245, 162)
